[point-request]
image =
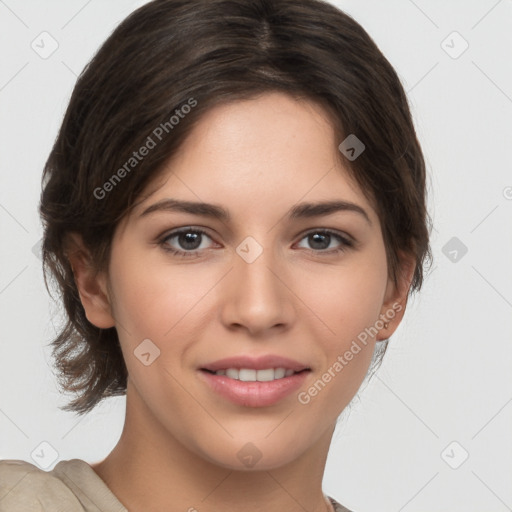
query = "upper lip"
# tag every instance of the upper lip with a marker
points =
(256, 363)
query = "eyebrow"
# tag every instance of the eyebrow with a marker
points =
(300, 211)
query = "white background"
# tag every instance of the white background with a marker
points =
(447, 374)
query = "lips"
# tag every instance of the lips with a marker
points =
(255, 363)
(253, 394)
(250, 392)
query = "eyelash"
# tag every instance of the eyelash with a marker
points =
(346, 243)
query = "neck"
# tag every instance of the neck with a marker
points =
(149, 470)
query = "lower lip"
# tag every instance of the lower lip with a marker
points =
(254, 394)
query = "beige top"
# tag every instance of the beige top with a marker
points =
(72, 486)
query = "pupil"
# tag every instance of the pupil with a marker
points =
(319, 238)
(190, 238)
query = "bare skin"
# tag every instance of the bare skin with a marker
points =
(300, 299)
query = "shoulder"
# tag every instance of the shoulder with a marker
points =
(26, 488)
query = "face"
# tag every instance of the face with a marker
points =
(260, 281)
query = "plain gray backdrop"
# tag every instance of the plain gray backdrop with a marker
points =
(432, 430)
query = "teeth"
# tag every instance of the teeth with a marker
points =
(232, 373)
(250, 375)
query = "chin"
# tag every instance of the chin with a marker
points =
(258, 455)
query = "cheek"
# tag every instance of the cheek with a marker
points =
(155, 299)
(345, 300)
(350, 306)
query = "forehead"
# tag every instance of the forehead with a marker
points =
(260, 155)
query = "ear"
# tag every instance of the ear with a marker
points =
(92, 286)
(395, 298)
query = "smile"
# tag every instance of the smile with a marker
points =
(244, 389)
(251, 375)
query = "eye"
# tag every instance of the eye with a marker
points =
(190, 242)
(321, 239)
(190, 239)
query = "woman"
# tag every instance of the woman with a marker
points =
(234, 214)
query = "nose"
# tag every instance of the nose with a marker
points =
(257, 296)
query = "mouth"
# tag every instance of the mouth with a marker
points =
(253, 375)
(247, 387)
(254, 381)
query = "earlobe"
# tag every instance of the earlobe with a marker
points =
(92, 286)
(395, 300)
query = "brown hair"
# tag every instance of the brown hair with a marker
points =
(201, 53)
